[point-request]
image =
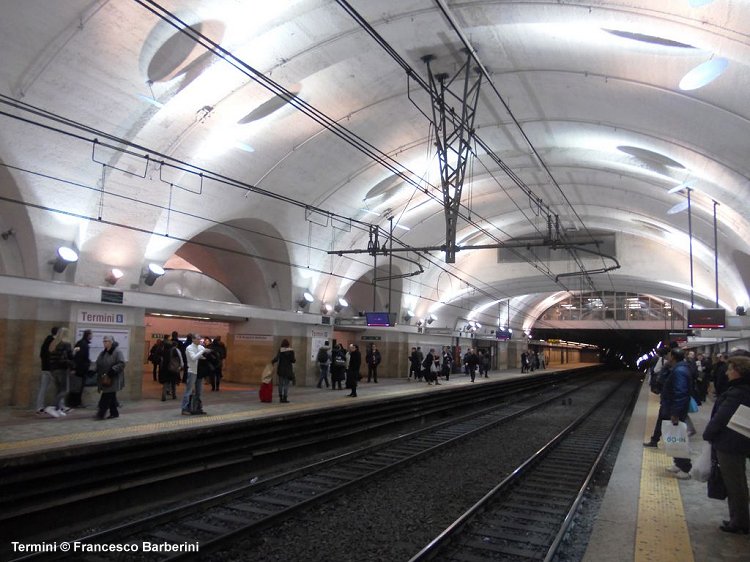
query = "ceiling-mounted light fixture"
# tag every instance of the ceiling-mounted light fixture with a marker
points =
(431, 318)
(65, 255)
(341, 304)
(307, 298)
(325, 308)
(113, 276)
(408, 315)
(153, 273)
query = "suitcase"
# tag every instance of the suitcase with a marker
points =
(266, 392)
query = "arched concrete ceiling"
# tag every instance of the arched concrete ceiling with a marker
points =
(581, 101)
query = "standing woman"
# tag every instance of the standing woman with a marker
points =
(731, 447)
(286, 360)
(110, 376)
(352, 374)
(61, 365)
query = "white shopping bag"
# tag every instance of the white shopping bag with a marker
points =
(702, 465)
(675, 437)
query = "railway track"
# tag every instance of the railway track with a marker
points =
(219, 520)
(34, 487)
(526, 516)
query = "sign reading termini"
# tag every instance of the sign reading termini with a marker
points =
(101, 317)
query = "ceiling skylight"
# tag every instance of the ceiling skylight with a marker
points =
(650, 156)
(704, 74)
(652, 39)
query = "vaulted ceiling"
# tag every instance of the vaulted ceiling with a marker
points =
(278, 132)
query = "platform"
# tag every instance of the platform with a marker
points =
(23, 431)
(648, 515)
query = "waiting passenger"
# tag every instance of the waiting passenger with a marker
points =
(415, 365)
(218, 347)
(45, 374)
(82, 362)
(338, 367)
(110, 374)
(447, 364)
(285, 371)
(472, 362)
(208, 364)
(674, 404)
(324, 360)
(61, 366)
(171, 367)
(430, 367)
(352, 371)
(373, 359)
(485, 364)
(191, 399)
(731, 447)
(524, 362)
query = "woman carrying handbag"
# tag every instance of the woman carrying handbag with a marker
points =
(731, 447)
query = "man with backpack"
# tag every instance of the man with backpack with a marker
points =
(171, 367)
(324, 360)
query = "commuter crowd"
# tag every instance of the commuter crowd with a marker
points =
(70, 368)
(683, 382)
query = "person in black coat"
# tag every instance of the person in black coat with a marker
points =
(415, 366)
(732, 448)
(352, 374)
(338, 366)
(285, 371)
(82, 365)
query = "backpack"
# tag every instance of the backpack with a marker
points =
(322, 355)
(174, 362)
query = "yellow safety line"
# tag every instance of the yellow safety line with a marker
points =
(662, 534)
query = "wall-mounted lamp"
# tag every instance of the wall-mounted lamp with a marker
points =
(306, 299)
(65, 256)
(113, 276)
(408, 315)
(8, 233)
(431, 318)
(325, 308)
(419, 323)
(154, 272)
(341, 304)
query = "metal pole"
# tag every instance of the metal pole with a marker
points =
(375, 277)
(390, 273)
(690, 235)
(716, 257)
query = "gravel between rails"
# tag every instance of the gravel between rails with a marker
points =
(393, 518)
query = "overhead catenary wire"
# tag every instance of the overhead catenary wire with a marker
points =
(319, 117)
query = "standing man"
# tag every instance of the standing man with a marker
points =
(324, 360)
(154, 356)
(45, 374)
(415, 365)
(675, 401)
(192, 395)
(373, 359)
(352, 373)
(473, 363)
